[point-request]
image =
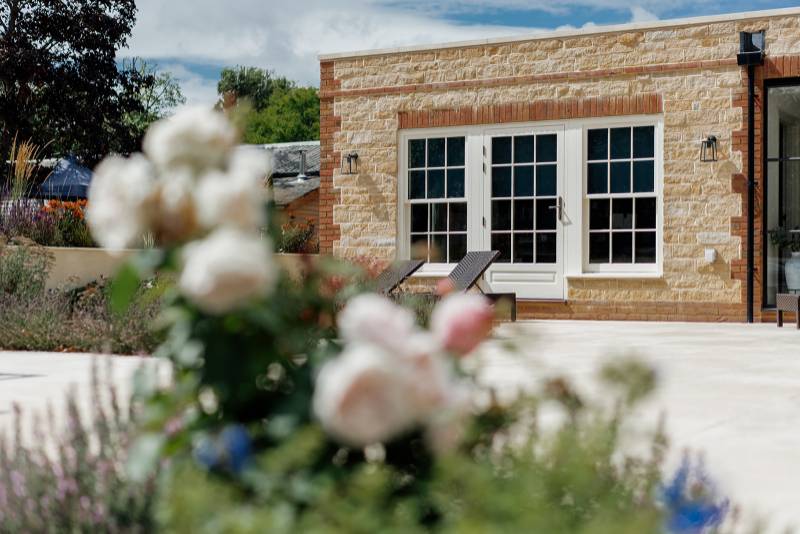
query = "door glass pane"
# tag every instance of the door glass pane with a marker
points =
(523, 181)
(523, 149)
(546, 148)
(523, 248)
(502, 242)
(546, 214)
(546, 180)
(546, 248)
(436, 152)
(523, 215)
(782, 219)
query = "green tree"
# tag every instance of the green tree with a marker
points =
(59, 80)
(250, 85)
(161, 95)
(291, 115)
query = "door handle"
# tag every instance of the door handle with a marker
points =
(559, 207)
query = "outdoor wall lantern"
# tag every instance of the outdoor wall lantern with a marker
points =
(708, 148)
(350, 164)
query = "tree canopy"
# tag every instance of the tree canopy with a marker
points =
(276, 109)
(59, 79)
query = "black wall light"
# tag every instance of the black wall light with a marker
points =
(708, 148)
(350, 163)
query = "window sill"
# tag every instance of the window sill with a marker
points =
(615, 276)
(434, 271)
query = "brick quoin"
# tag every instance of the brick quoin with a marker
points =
(329, 125)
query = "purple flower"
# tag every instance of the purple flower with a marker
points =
(690, 500)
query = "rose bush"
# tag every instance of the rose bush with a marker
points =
(307, 406)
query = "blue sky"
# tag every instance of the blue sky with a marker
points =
(195, 39)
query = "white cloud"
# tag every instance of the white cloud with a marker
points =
(286, 36)
(640, 14)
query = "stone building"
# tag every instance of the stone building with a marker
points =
(579, 156)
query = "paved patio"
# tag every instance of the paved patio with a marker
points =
(730, 390)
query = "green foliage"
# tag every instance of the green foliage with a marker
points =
(79, 320)
(298, 239)
(23, 271)
(250, 84)
(59, 80)
(784, 238)
(504, 479)
(161, 95)
(73, 480)
(291, 115)
(275, 109)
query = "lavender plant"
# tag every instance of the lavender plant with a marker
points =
(73, 481)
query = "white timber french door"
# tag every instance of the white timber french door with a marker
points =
(523, 210)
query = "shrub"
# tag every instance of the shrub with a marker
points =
(79, 320)
(298, 239)
(73, 481)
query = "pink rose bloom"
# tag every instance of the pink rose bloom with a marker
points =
(462, 321)
(371, 318)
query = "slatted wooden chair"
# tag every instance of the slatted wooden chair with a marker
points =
(395, 274)
(468, 273)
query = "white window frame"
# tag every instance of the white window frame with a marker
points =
(576, 230)
(658, 191)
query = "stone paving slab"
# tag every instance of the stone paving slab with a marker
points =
(730, 390)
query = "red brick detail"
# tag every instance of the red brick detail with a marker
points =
(774, 67)
(329, 125)
(567, 76)
(630, 311)
(532, 111)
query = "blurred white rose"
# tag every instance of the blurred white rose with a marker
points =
(462, 321)
(235, 197)
(121, 201)
(361, 397)
(375, 319)
(226, 270)
(177, 217)
(446, 426)
(431, 375)
(196, 139)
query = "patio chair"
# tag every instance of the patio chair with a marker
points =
(395, 274)
(468, 273)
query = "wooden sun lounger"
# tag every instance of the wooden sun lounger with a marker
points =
(395, 274)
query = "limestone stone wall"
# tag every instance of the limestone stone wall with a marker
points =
(692, 69)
